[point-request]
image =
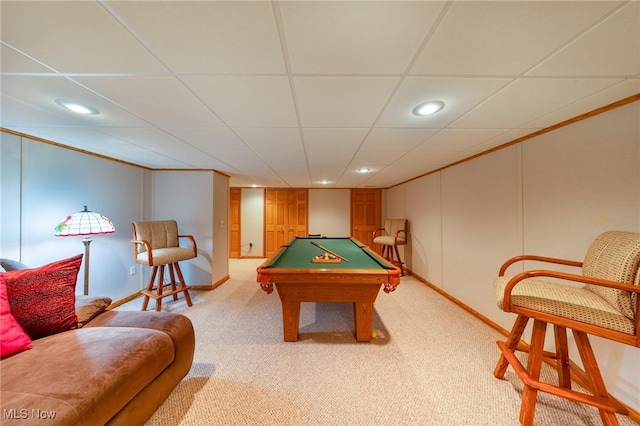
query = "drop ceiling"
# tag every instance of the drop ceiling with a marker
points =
(292, 93)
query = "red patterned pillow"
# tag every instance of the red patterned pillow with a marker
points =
(13, 338)
(42, 299)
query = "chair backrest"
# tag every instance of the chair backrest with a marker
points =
(391, 226)
(615, 256)
(159, 233)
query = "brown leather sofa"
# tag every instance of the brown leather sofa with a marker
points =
(117, 369)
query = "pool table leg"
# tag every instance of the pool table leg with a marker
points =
(290, 320)
(363, 318)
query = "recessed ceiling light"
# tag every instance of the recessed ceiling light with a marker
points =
(78, 107)
(428, 108)
(324, 182)
(364, 170)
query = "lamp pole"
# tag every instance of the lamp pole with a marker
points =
(86, 241)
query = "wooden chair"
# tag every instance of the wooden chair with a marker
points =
(607, 306)
(156, 244)
(393, 234)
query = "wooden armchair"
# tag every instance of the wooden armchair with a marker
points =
(607, 306)
(393, 234)
(156, 244)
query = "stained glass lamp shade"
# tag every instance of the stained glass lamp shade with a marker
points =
(85, 223)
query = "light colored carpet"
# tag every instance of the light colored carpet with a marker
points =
(431, 364)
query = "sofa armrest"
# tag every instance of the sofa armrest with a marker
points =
(88, 307)
(180, 330)
(178, 327)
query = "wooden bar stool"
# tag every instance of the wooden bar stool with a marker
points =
(156, 244)
(606, 305)
(393, 234)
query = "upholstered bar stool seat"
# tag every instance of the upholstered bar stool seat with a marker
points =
(156, 244)
(164, 256)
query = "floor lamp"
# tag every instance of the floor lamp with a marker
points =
(85, 223)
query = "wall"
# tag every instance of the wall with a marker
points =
(220, 268)
(251, 222)
(330, 212)
(43, 183)
(179, 195)
(550, 195)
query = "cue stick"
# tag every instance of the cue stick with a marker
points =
(328, 251)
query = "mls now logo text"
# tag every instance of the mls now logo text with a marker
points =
(24, 414)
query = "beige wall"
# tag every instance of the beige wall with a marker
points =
(43, 183)
(550, 195)
(187, 197)
(330, 212)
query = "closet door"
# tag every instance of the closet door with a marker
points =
(297, 214)
(234, 222)
(366, 214)
(285, 217)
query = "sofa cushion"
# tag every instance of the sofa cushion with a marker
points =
(86, 375)
(88, 307)
(12, 265)
(14, 339)
(42, 299)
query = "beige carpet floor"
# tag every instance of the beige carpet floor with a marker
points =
(431, 364)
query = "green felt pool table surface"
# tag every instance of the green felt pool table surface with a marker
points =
(300, 251)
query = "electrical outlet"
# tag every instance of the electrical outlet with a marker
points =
(132, 270)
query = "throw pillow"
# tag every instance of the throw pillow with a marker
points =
(88, 307)
(14, 339)
(42, 299)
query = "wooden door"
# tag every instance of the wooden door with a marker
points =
(296, 213)
(366, 215)
(235, 195)
(275, 209)
(285, 217)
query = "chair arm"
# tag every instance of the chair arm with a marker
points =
(375, 231)
(194, 246)
(147, 247)
(521, 258)
(506, 303)
(395, 241)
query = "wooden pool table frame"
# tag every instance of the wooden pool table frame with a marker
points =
(317, 284)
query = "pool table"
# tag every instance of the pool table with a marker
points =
(357, 279)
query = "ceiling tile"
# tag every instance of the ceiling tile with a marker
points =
(207, 36)
(374, 159)
(456, 140)
(594, 101)
(317, 139)
(615, 42)
(104, 47)
(526, 99)
(329, 165)
(162, 101)
(342, 101)
(15, 62)
(264, 139)
(41, 93)
(502, 38)
(348, 37)
(387, 139)
(459, 95)
(209, 139)
(247, 101)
